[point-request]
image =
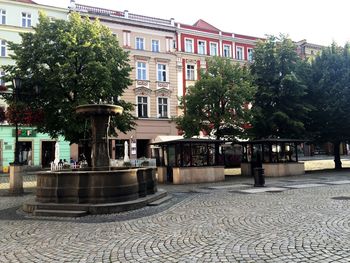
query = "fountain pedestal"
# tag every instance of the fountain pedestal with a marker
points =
(99, 115)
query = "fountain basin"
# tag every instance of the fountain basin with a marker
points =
(95, 187)
(99, 109)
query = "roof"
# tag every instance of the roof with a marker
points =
(274, 140)
(124, 15)
(303, 42)
(188, 140)
(26, 1)
(166, 138)
(205, 25)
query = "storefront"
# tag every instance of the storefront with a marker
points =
(35, 149)
(278, 157)
(185, 161)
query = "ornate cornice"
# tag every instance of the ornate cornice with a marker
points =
(163, 92)
(143, 91)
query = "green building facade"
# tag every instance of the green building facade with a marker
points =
(37, 149)
(34, 148)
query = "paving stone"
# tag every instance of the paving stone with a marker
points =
(339, 182)
(302, 224)
(299, 186)
(262, 190)
(225, 187)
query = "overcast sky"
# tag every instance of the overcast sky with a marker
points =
(317, 21)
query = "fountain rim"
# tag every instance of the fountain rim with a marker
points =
(99, 109)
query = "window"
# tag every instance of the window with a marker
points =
(201, 47)
(2, 48)
(168, 44)
(161, 72)
(239, 53)
(140, 43)
(227, 51)
(190, 72)
(2, 82)
(250, 54)
(189, 45)
(26, 19)
(3, 16)
(141, 71)
(155, 45)
(126, 38)
(142, 106)
(213, 49)
(163, 107)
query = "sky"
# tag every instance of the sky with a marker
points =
(318, 21)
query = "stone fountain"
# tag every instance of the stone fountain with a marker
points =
(101, 188)
(99, 115)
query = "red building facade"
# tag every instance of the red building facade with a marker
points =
(195, 43)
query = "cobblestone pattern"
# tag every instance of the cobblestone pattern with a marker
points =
(29, 181)
(298, 225)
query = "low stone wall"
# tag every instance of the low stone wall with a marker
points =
(16, 179)
(162, 174)
(283, 169)
(276, 169)
(193, 175)
(95, 186)
(246, 169)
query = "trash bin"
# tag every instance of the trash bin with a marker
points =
(5, 169)
(259, 177)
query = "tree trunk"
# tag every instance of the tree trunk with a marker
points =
(337, 161)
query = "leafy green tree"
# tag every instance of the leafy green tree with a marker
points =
(279, 107)
(64, 64)
(329, 93)
(216, 103)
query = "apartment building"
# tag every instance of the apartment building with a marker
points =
(34, 148)
(197, 42)
(166, 58)
(307, 50)
(151, 45)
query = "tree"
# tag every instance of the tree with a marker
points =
(216, 103)
(2, 114)
(279, 107)
(329, 93)
(64, 64)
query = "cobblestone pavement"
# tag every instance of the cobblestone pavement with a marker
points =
(201, 223)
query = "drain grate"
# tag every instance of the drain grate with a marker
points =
(341, 198)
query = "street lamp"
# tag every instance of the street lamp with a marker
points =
(17, 83)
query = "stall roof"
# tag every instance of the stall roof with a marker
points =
(273, 140)
(166, 138)
(189, 140)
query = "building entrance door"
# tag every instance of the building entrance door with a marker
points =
(25, 152)
(142, 148)
(47, 153)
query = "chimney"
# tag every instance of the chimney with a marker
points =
(172, 21)
(72, 5)
(126, 13)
